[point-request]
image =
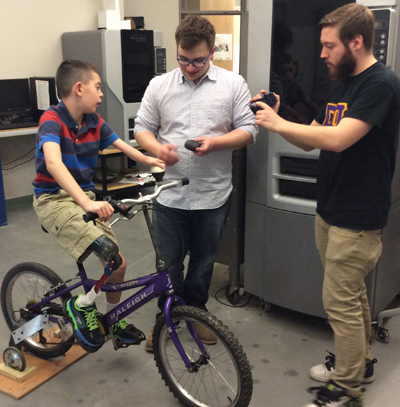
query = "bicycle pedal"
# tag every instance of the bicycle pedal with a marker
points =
(124, 344)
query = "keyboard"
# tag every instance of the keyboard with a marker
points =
(17, 125)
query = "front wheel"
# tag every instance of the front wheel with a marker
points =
(24, 285)
(222, 377)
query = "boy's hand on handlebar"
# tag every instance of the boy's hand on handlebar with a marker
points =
(103, 209)
(168, 154)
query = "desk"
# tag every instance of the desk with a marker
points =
(114, 188)
(13, 143)
(18, 132)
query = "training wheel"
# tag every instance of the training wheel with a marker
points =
(14, 358)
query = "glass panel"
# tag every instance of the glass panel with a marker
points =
(298, 74)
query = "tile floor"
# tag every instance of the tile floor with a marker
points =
(281, 345)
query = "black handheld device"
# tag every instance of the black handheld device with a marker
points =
(192, 145)
(269, 98)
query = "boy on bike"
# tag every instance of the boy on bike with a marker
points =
(68, 141)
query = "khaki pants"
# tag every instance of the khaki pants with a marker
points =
(62, 217)
(348, 256)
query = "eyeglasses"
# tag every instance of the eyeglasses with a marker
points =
(196, 64)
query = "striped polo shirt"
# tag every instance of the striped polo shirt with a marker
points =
(79, 147)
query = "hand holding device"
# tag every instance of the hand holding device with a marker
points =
(269, 98)
(192, 145)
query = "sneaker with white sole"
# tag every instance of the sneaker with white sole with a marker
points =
(86, 327)
(127, 333)
(323, 373)
(332, 395)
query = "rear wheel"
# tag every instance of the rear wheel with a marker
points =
(23, 286)
(219, 378)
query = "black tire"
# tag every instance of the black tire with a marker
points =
(224, 379)
(25, 284)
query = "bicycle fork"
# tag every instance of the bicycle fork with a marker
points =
(190, 366)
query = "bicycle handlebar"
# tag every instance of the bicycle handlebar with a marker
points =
(118, 208)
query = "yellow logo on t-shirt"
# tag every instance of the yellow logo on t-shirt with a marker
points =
(334, 113)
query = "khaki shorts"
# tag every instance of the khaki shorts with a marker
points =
(62, 217)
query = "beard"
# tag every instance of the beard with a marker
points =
(345, 67)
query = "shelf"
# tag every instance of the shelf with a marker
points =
(116, 185)
(104, 188)
(110, 151)
(18, 132)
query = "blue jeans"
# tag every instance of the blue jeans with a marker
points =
(200, 235)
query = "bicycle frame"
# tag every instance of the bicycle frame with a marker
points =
(153, 285)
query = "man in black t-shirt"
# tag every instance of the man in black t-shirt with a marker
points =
(357, 132)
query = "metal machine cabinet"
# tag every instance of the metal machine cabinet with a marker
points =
(125, 60)
(281, 263)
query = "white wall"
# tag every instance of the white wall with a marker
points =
(160, 15)
(30, 32)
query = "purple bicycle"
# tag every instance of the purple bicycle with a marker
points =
(197, 374)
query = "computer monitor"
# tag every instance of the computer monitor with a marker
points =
(43, 94)
(14, 96)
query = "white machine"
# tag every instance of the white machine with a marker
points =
(127, 60)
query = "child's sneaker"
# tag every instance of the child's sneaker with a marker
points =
(86, 327)
(127, 332)
(333, 395)
(323, 373)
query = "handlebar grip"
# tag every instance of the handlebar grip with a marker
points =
(87, 217)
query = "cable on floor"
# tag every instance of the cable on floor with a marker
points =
(245, 298)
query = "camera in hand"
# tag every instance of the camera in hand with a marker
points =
(268, 98)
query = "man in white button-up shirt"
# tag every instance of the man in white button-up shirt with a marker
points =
(197, 101)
